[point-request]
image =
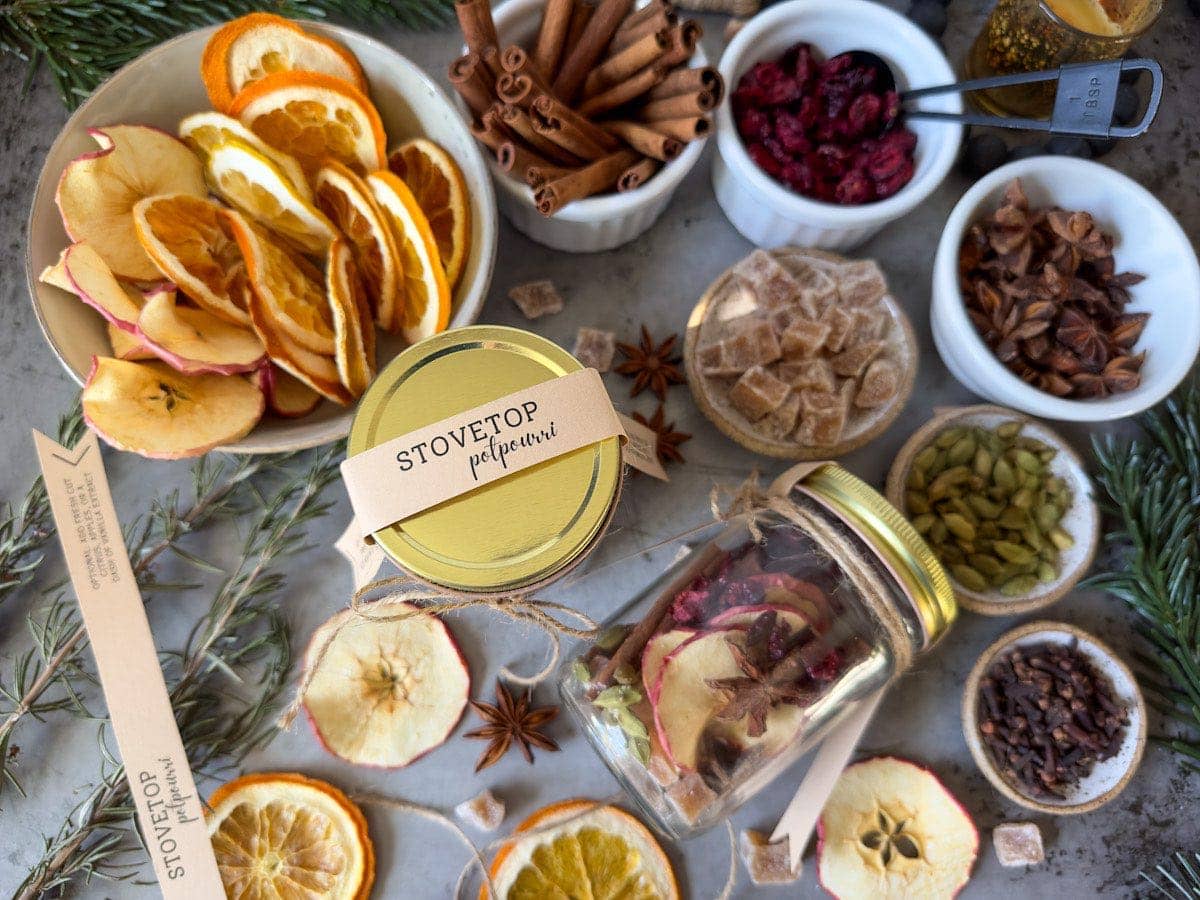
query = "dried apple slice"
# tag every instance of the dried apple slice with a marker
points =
(97, 191)
(287, 396)
(130, 346)
(55, 274)
(94, 282)
(891, 829)
(658, 648)
(194, 341)
(745, 615)
(385, 693)
(150, 409)
(353, 327)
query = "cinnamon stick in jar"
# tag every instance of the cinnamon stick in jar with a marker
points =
(592, 44)
(626, 91)
(682, 106)
(552, 36)
(629, 61)
(470, 77)
(636, 175)
(478, 28)
(598, 176)
(646, 140)
(687, 81)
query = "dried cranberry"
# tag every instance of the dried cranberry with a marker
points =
(901, 138)
(885, 162)
(754, 125)
(809, 112)
(804, 66)
(836, 96)
(836, 65)
(835, 159)
(860, 78)
(799, 176)
(740, 593)
(826, 129)
(855, 188)
(764, 160)
(688, 607)
(786, 90)
(790, 133)
(888, 186)
(864, 113)
(825, 669)
(891, 107)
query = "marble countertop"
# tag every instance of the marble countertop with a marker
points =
(654, 281)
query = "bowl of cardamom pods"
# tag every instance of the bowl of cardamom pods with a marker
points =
(1005, 504)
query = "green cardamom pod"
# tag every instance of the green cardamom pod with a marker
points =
(1046, 572)
(1008, 431)
(962, 451)
(1061, 539)
(923, 522)
(581, 672)
(1003, 475)
(625, 674)
(958, 526)
(632, 725)
(1013, 553)
(916, 502)
(1027, 462)
(969, 577)
(1019, 586)
(988, 565)
(618, 696)
(948, 438)
(611, 637)
(923, 461)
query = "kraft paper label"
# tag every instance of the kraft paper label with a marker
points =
(419, 470)
(365, 556)
(168, 807)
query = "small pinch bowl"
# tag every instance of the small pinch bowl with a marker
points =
(593, 224)
(769, 214)
(1108, 778)
(1081, 521)
(162, 86)
(1147, 240)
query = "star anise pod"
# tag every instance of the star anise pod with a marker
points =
(1127, 329)
(667, 439)
(511, 722)
(651, 365)
(1123, 373)
(1081, 334)
(1079, 230)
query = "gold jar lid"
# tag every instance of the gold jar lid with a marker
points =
(907, 555)
(512, 533)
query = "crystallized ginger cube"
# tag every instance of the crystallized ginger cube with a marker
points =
(773, 285)
(691, 796)
(1018, 844)
(753, 345)
(804, 338)
(757, 393)
(536, 299)
(484, 811)
(807, 374)
(841, 326)
(595, 348)
(860, 283)
(880, 383)
(766, 863)
(853, 362)
(781, 422)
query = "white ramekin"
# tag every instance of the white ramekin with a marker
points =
(1148, 240)
(594, 223)
(771, 215)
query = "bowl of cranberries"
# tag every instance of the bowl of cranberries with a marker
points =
(813, 147)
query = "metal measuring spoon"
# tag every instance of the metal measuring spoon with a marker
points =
(1083, 103)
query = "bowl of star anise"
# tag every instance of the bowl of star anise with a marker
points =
(1064, 289)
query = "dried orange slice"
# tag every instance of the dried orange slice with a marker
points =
(437, 183)
(280, 834)
(246, 179)
(581, 849)
(314, 118)
(292, 291)
(353, 330)
(347, 201)
(254, 46)
(425, 293)
(202, 131)
(190, 241)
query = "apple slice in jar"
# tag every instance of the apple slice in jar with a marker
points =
(155, 411)
(195, 341)
(745, 616)
(287, 397)
(658, 648)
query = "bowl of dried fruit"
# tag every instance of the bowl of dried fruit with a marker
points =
(212, 251)
(1054, 719)
(800, 354)
(813, 147)
(1066, 290)
(1004, 502)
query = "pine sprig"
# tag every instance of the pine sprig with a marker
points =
(1180, 878)
(25, 529)
(1152, 485)
(82, 42)
(228, 682)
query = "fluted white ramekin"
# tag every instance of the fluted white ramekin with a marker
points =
(594, 223)
(770, 214)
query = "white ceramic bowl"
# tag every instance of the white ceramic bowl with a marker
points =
(771, 215)
(1109, 777)
(594, 223)
(1148, 240)
(160, 88)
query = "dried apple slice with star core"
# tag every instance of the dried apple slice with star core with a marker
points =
(203, 131)
(155, 411)
(287, 396)
(194, 341)
(385, 693)
(97, 192)
(354, 332)
(251, 182)
(190, 240)
(253, 46)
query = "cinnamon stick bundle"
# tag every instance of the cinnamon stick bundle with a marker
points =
(518, 122)
(629, 61)
(663, 18)
(636, 175)
(516, 90)
(681, 106)
(624, 92)
(638, 16)
(475, 20)
(592, 44)
(488, 129)
(684, 38)
(600, 175)
(646, 140)
(469, 75)
(558, 117)
(686, 80)
(515, 159)
(552, 36)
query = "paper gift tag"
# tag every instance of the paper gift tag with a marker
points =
(169, 812)
(365, 557)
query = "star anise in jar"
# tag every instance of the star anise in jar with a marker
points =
(651, 365)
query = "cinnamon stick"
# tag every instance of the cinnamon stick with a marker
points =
(580, 16)
(683, 129)
(517, 121)
(475, 20)
(491, 59)
(591, 179)
(538, 175)
(646, 140)
(664, 17)
(682, 106)
(470, 77)
(637, 174)
(488, 130)
(552, 36)
(632, 59)
(592, 44)
(569, 129)
(685, 81)
(684, 38)
(515, 159)
(516, 90)
(620, 94)
(638, 16)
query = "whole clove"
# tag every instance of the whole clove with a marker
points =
(1047, 717)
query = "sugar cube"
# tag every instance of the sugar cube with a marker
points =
(766, 863)
(1018, 844)
(484, 811)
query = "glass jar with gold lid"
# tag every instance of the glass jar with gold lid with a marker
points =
(742, 657)
(512, 534)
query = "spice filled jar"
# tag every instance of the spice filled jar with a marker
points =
(751, 649)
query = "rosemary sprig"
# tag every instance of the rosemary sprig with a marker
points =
(1153, 491)
(228, 682)
(1182, 880)
(25, 529)
(82, 42)
(221, 487)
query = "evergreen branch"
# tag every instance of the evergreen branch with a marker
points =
(25, 530)
(59, 635)
(1180, 882)
(82, 42)
(1152, 485)
(228, 683)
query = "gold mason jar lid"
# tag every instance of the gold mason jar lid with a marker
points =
(908, 556)
(514, 532)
